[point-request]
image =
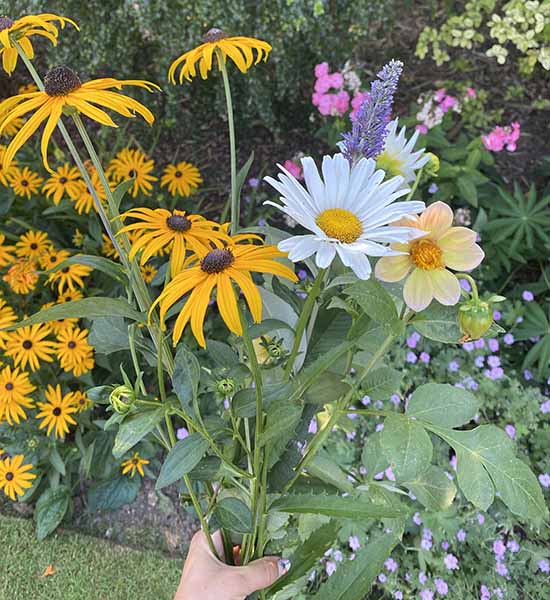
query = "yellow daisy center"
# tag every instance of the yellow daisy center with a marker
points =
(340, 224)
(217, 260)
(427, 255)
(390, 164)
(61, 81)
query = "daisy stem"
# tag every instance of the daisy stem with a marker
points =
(303, 320)
(235, 201)
(415, 184)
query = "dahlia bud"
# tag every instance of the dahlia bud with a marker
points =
(475, 319)
(122, 398)
(432, 168)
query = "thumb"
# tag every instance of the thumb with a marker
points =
(261, 573)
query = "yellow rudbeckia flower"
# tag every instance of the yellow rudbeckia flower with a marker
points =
(15, 477)
(21, 30)
(239, 49)
(133, 164)
(63, 91)
(181, 178)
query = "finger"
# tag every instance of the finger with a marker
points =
(261, 573)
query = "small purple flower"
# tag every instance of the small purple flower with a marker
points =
(527, 375)
(493, 345)
(519, 319)
(416, 519)
(302, 274)
(389, 474)
(501, 569)
(468, 346)
(426, 544)
(544, 565)
(425, 357)
(494, 374)
(485, 593)
(511, 431)
(453, 366)
(312, 426)
(253, 182)
(330, 567)
(493, 361)
(395, 399)
(479, 361)
(451, 562)
(426, 595)
(398, 595)
(422, 579)
(391, 565)
(338, 556)
(508, 339)
(382, 578)
(365, 400)
(453, 462)
(411, 358)
(465, 285)
(498, 593)
(445, 545)
(544, 480)
(433, 188)
(499, 549)
(354, 543)
(351, 435)
(379, 427)
(545, 407)
(479, 344)
(480, 518)
(182, 433)
(513, 546)
(461, 535)
(528, 296)
(441, 586)
(497, 315)
(413, 339)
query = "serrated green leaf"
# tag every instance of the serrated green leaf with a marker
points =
(438, 323)
(375, 301)
(281, 418)
(50, 510)
(381, 383)
(186, 377)
(326, 469)
(442, 404)
(372, 457)
(244, 401)
(134, 428)
(234, 514)
(433, 489)
(182, 459)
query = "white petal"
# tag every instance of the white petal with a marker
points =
(357, 261)
(325, 254)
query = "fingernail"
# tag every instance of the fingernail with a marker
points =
(283, 565)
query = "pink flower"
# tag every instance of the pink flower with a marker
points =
(471, 92)
(321, 70)
(422, 129)
(494, 141)
(447, 103)
(323, 84)
(341, 103)
(293, 169)
(440, 94)
(336, 80)
(325, 104)
(316, 98)
(502, 137)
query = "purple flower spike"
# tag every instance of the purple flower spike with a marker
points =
(369, 130)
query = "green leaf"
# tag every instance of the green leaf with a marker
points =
(433, 489)
(113, 494)
(375, 301)
(121, 190)
(181, 459)
(222, 354)
(353, 579)
(407, 446)
(56, 461)
(109, 334)
(328, 388)
(243, 173)
(89, 308)
(186, 377)
(438, 323)
(134, 428)
(372, 457)
(467, 189)
(234, 514)
(306, 556)
(281, 418)
(348, 507)
(266, 326)
(50, 510)
(381, 383)
(99, 263)
(442, 404)
(326, 469)
(244, 401)
(473, 479)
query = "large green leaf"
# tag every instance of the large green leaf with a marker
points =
(121, 190)
(442, 404)
(109, 334)
(328, 388)
(89, 308)
(134, 428)
(244, 401)
(306, 556)
(281, 418)
(113, 494)
(353, 579)
(186, 377)
(438, 323)
(407, 446)
(433, 488)
(234, 514)
(222, 354)
(328, 470)
(372, 457)
(50, 510)
(375, 301)
(381, 383)
(181, 459)
(348, 507)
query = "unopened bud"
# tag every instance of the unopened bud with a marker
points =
(122, 398)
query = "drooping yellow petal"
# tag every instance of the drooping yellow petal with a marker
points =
(55, 115)
(446, 287)
(392, 268)
(250, 291)
(460, 252)
(418, 291)
(227, 304)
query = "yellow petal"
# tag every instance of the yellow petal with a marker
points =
(228, 304)
(436, 219)
(460, 252)
(446, 288)
(392, 268)
(418, 290)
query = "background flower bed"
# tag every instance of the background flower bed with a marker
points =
(530, 422)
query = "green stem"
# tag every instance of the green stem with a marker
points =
(415, 184)
(133, 353)
(303, 320)
(471, 282)
(235, 200)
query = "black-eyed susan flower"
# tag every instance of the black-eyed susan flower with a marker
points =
(69, 296)
(22, 276)
(7, 318)
(13, 127)
(59, 324)
(32, 244)
(22, 30)
(73, 351)
(15, 477)
(52, 257)
(133, 164)
(27, 345)
(4, 173)
(56, 411)
(181, 179)
(15, 390)
(63, 90)
(221, 45)
(23, 182)
(78, 238)
(160, 227)
(134, 464)
(69, 277)
(219, 268)
(6, 252)
(64, 181)
(83, 199)
(81, 400)
(107, 248)
(148, 273)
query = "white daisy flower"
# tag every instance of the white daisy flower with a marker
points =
(348, 213)
(398, 157)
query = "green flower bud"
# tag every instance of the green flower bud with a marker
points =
(475, 318)
(32, 443)
(122, 398)
(226, 386)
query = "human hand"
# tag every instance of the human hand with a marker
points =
(205, 577)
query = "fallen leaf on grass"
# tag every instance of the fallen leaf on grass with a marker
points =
(49, 571)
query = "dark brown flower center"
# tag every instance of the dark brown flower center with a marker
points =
(5, 23)
(34, 246)
(177, 173)
(213, 35)
(24, 183)
(27, 344)
(179, 223)
(9, 476)
(133, 173)
(56, 411)
(135, 461)
(71, 344)
(217, 260)
(9, 386)
(61, 81)
(65, 270)
(63, 180)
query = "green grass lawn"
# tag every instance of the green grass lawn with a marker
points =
(86, 568)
